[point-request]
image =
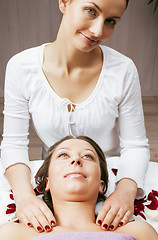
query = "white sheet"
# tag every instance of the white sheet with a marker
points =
(151, 183)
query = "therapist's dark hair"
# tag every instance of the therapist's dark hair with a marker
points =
(127, 1)
(42, 174)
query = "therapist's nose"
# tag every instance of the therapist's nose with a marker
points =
(97, 28)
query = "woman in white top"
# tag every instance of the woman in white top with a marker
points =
(74, 86)
(73, 178)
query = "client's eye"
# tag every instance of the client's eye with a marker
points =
(63, 155)
(87, 156)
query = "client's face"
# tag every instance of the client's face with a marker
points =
(74, 172)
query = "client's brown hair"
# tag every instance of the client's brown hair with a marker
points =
(42, 173)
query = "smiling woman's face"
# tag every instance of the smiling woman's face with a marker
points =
(74, 172)
(88, 23)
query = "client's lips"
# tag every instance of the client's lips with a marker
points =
(75, 174)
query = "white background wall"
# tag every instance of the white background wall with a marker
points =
(27, 23)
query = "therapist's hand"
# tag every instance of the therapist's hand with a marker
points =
(33, 212)
(119, 206)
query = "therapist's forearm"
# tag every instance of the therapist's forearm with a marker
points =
(19, 178)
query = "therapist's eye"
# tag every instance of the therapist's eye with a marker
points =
(91, 11)
(111, 21)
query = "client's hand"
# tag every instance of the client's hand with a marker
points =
(119, 206)
(33, 212)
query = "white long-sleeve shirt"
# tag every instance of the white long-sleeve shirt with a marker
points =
(112, 115)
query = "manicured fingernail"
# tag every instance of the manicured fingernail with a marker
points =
(52, 223)
(47, 228)
(120, 224)
(99, 222)
(29, 224)
(39, 229)
(111, 227)
(105, 226)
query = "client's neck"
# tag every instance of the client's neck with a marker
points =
(74, 215)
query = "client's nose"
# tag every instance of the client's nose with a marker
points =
(76, 162)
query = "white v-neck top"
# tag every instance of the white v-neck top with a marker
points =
(112, 115)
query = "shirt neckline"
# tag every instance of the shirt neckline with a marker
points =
(66, 100)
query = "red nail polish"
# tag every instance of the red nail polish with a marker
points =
(17, 221)
(120, 224)
(39, 229)
(47, 228)
(111, 227)
(99, 222)
(10, 210)
(29, 224)
(11, 205)
(52, 223)
(105, 226)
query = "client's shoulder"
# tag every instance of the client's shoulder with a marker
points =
(141, 230)
(16, 231)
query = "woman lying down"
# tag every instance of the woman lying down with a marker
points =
(73, 178)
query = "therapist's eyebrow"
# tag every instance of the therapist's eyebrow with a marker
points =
(102, 11)
(96, 6)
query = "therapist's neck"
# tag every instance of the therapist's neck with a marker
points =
(74, 215)
(68, 57)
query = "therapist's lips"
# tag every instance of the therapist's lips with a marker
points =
(89, 40)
